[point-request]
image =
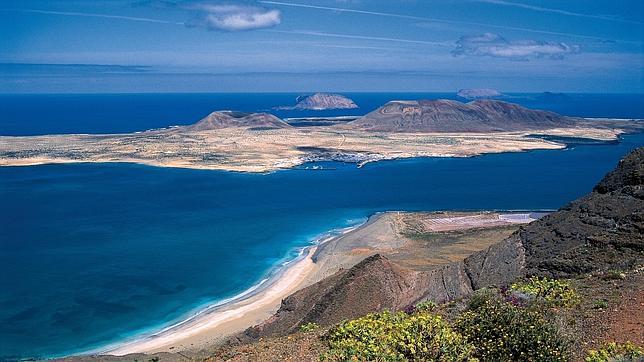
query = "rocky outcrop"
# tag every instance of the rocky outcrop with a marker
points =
(322, 101)
(499, 264)
(598, 231)
(602, 230)
(443, 115)
(228, 119)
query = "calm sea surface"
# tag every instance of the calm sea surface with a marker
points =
(91, 254)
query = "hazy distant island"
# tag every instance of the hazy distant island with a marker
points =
(478, 93)
(261, 142)
(321, 101)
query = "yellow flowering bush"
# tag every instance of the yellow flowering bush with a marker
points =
(388, 336)
(553, 293)
(501, 331)
(614, 352)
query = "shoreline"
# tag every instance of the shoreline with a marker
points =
(221, 320)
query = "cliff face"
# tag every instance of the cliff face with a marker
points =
(599, 231)
(227, 119)
(484, 115)
(321, 101)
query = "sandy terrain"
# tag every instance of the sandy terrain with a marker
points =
(263, 150)
(400, 236)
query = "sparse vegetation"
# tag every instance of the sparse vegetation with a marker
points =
(549, 292)
(307, 327)
(482, 296)
(600, 304)
(614, 352)
(614, 274)
(426, 306)
(494, 328)
(501, 331)
(389, 336)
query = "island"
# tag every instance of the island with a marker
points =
(321, 101)
(478, 93)
(262, 142)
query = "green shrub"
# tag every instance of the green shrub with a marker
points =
(600, 304)
(614, 352)
(552, 293)
(310, 326)
(388, 336)
(614, 275)
(426, 306)
(481, 296)
(500, 331)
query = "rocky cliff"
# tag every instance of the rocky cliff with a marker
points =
(600, 231)
(443, 115)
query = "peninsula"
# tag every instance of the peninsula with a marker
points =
(261, 142)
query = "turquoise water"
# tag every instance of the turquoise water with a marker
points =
(92, 254)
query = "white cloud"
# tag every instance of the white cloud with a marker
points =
(236, 17)
(494, 45)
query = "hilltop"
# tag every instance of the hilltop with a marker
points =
(322, 101)
(227, 119)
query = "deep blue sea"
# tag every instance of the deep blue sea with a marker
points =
(28, 114)
(92, 254)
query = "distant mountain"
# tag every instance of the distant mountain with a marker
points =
(228, 119)
(485, 115)
(322, 101)
(478, 93)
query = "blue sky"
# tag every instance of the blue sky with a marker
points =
(331, 45)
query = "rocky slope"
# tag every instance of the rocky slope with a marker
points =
(443, 115)
(227, 119)
(322, 101)
(600, 231)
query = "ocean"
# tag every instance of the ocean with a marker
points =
(93, 254)
(35, 114)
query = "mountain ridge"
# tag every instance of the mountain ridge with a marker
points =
(443, 115)
(228, 119)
